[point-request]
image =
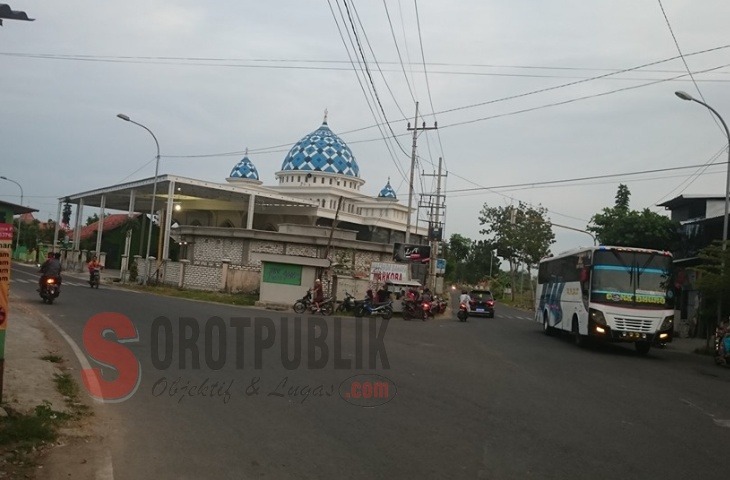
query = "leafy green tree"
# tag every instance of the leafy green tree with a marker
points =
(536, 236)
(459, 247)
(469, 261)
(519, 234)
(481, 262)
(623, 227)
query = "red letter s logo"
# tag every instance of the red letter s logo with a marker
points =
(112, 355)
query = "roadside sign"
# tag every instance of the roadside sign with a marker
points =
(406, 252)
(6, 246)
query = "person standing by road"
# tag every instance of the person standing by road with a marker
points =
(317, 294)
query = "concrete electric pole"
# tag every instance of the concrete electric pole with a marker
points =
(415, 130)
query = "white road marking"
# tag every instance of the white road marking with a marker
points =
(106, 471)
(718, 421)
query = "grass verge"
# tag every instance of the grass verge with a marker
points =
(52, 358)
(241, 299)
(24, 435)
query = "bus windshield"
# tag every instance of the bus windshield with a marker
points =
(634, 279)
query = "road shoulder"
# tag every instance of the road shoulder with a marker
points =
(36, 357)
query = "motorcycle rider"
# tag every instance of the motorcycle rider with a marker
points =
(369, 296)
(383, 294)
(465, 299)
(93, 265)
(51, 268)
(426, 296)
(317, 295)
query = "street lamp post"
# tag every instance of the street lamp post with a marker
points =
(688, 97)
(17, 237)
(154, 190)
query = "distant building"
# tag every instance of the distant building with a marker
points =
(701, 219)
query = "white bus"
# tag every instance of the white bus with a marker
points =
(616, 294)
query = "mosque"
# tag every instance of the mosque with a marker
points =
(316, 215)
(322, 169)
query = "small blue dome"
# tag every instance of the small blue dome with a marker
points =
(322, 151)
(387, 192)
(245, 169)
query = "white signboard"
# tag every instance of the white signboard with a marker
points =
(380, 272)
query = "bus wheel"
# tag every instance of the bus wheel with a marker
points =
(579, 339)
(546, 328)
(642, 348)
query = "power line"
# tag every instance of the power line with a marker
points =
(573, 100)
(525, 94)
(696, 175)
(372, 52)
(428, 85)
(206, 62)
(397, 49)
(397, 164)
(594, 177)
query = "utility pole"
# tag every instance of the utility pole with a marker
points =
(415, 129)
(436, 206)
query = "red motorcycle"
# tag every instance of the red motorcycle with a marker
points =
(420, 310)
(463, 312)
(426, 310)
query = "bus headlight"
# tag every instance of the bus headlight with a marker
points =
(597, 317)
(667, 323)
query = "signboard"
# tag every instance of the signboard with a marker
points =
(441, 265)
(282, 273)
(381, 272)
(6, 245)
(435, 232)
(405, 252)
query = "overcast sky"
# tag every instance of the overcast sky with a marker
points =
(214, 78)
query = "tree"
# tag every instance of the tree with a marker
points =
(536, 236)
(519, 234)
(714, 283)
(469, 261)
(66, 218)
(458, 248)
(623, 227)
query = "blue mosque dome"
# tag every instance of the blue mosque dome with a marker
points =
(322, 151)
(245, 169)
(387, 192)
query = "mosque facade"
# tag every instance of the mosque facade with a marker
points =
(321, 169)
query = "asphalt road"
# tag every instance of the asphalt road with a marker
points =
(489, 398)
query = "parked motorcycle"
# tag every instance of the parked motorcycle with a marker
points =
(420, 310)
(50, 289)
(367, 309)
(95, 278)
(438, 306)
(463, 312)
(349, 304)
(301, 306)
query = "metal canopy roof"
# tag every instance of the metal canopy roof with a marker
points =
(17, 209)
(193, 194)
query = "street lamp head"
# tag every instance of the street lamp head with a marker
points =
(4, 177)
(683, 95)
(123, 117)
